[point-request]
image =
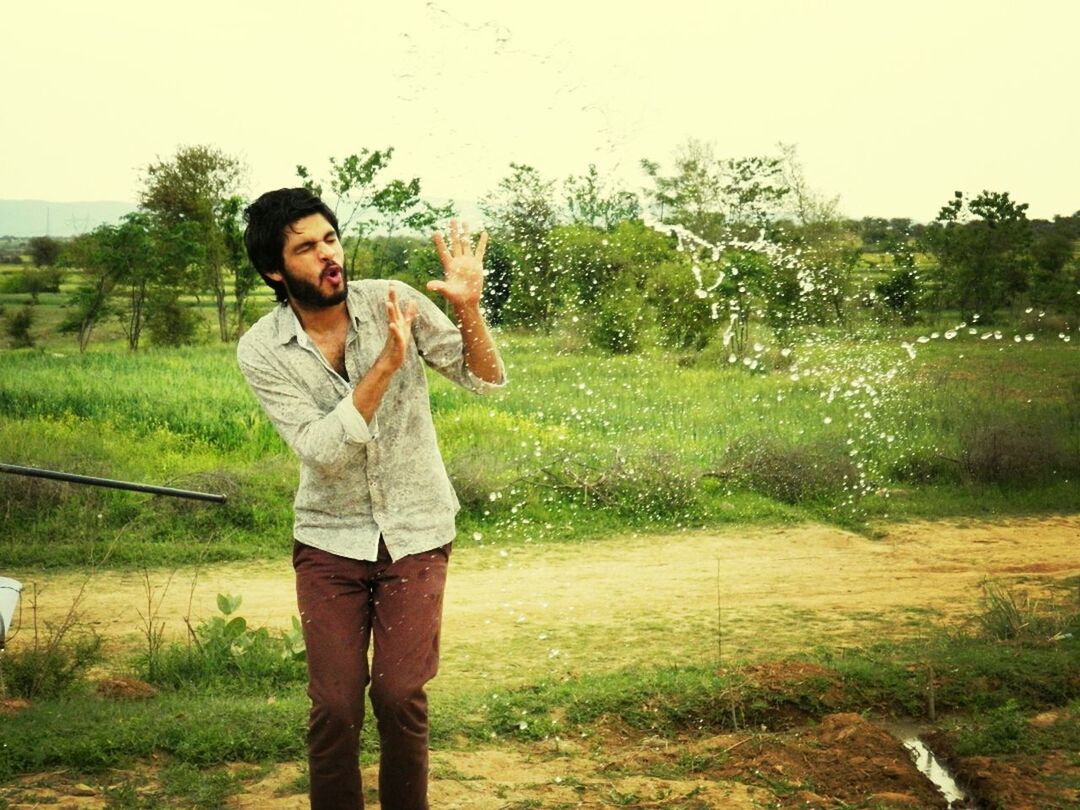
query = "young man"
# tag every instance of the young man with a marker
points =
(338, 368)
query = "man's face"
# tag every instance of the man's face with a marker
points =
(314, 262)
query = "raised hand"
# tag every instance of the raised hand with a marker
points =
(462, 266)
(399, 330)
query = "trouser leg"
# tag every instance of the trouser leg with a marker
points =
(334, 598)
(406, 620)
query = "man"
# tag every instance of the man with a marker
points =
(337, 368)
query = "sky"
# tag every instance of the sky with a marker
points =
(892, 106)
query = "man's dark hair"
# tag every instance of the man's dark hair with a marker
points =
(267, 218)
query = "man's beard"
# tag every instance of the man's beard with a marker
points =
(310, 295)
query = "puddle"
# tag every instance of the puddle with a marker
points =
(937, 773)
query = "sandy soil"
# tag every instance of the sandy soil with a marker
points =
(519, 613)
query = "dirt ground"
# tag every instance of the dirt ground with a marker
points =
(520, 613)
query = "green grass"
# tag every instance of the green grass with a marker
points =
(581, 443)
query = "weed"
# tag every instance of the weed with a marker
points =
(224, 651)
(1008, 615)
(56, 656)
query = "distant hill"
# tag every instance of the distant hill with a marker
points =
(43, 218)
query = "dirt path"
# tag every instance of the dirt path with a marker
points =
(515, 613)
(518, 614)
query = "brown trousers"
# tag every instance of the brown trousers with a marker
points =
(342, 602)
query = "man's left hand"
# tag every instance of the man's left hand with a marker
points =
(464, 267)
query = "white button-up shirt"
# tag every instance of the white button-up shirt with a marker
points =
(360, 480)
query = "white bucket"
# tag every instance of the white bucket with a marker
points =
(9, 598)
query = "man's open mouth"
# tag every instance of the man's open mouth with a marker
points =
(332, 274)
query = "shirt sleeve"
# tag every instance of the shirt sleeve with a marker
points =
(326, 440)
(439, 343)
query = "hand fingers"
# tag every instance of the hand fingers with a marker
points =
(440, 248)
(455, 242)
(481, 246)
(466, 244)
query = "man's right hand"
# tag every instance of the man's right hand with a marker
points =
(399, 332)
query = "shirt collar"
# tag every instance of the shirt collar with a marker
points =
(287, 325)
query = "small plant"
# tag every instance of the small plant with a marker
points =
(224, 650)
(54, 659)
(1008, 616)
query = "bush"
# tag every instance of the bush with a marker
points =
(900, 293)
(618, 322)
(1011, 453)
(788, 472)
(171, 323)
(926, 467)
(649, 485)
(684, 318)
(53, 661)
(18, 328)
(33, 282)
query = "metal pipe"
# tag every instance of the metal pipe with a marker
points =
(34, 472)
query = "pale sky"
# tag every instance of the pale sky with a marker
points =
(892, 105)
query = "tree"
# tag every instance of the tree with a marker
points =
(352, 183)
(245, 277)
(591, 202)
(399, 205)
(90, 301)
(522, 212)
(692, 196)
(192, 192)
(983, 248)
(44, 250)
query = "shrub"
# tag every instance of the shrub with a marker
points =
(900, 293)
(53, 661)
(645, 485)
(791, 473)
(617, 322)
(476, 475)
(1012, 453)
(171, 323)
(19, 328)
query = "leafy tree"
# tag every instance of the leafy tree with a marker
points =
(44, 250)
(398, 205)
(90, 301)
(693, 195)
(590, 201)
(522, 212)
(245, 277)
(983, 248)
(351, 181)
(195, 191)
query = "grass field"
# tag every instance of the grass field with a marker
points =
(844, 428)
